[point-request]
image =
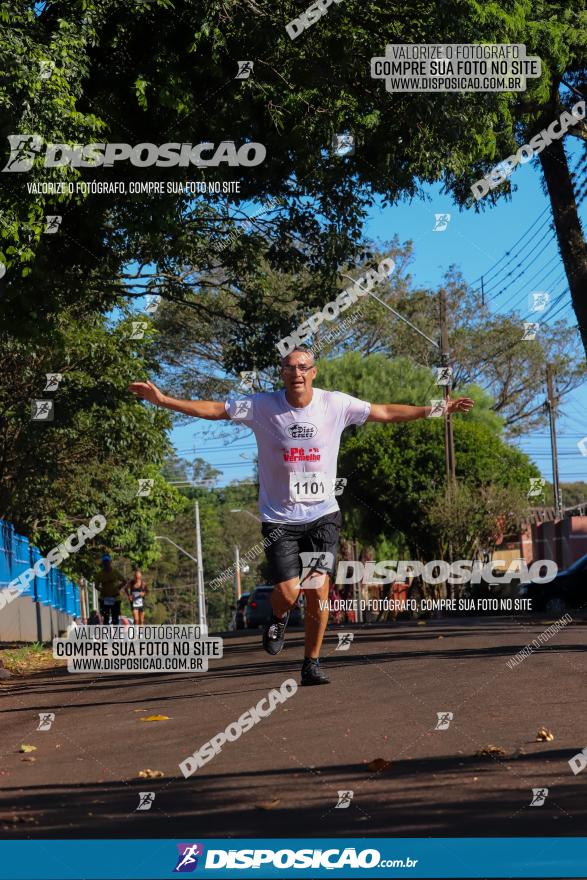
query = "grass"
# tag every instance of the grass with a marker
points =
(22, 659)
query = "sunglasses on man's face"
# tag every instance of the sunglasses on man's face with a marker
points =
(291, 368)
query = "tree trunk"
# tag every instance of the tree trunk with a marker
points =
(571, 240)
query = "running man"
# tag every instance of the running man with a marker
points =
(298, 431)
(109, 583)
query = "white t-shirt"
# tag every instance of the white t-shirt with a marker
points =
(298, 449)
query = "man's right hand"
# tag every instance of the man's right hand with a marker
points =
(148, 391)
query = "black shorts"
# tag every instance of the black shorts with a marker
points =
(318, 539)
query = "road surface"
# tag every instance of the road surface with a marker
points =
(282, 777)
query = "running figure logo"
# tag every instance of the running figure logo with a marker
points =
(441, 222)
(443, 375)
(46, 719)
(344, 800)
(146, 800)
(344, 641)
(52, 223)
(22, 159)
(245, 69)
(530, 331)
(539, 795)
(437, 408)
(188, 857)
(444, 719)
(42, 410)
(52, 381)
(314, 567)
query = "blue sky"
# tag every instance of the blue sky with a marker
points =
(473, 242)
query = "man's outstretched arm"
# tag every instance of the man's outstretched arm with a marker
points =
(199, 409)
(397, 412)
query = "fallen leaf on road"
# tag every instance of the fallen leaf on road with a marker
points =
(421, 623)
(378, 764)
(490, 751)
(29, 758)
(544, 735)
(267, 805)
(25, 748)
(151, 774)
(155, 718)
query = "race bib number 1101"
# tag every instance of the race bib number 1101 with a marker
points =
(309, 487)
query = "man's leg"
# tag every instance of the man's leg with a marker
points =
(284, 596)
(316, 619)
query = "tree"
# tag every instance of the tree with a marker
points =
(93, 455)
(396, 472)
(156, 73)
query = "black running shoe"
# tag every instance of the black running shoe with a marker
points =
(312, 674)
(274, 634)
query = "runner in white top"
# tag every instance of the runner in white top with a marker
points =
(294, 442)
(298, 435)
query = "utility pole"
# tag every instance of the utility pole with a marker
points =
(449, 449)
(237, 573)
(550, 402)
(200, 575)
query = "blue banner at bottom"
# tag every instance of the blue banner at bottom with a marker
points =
(294, 857)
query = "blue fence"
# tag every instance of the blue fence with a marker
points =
(17, 555)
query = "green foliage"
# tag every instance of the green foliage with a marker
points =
(55, 475)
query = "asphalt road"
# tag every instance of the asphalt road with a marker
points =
(282, 777)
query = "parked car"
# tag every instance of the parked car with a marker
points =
(258, 609)
(568, 589)
(238, 618)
